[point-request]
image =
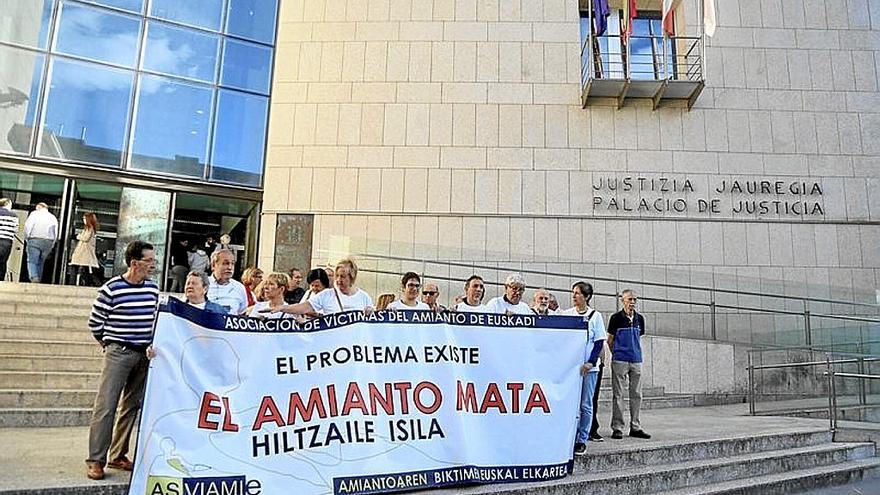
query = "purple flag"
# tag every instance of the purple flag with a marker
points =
(600, 15)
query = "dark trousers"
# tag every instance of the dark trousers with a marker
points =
(88, 276)
(594, 429)
(5, 251)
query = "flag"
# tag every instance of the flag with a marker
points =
(600, 16)
(669, 7)
(629, 13)
(709, 22)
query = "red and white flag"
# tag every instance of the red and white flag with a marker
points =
(669, 7)
(629, 13)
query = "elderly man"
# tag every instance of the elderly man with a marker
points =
(122, 322)
(473, 296)
(8, 231)
(625, 329)
(430, 294)
(541, 302)
(511, 301)
(222, 289)
(40, 232)
(196, 291)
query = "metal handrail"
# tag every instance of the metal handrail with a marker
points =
(625, 60)
(711, 290)
(829, 373)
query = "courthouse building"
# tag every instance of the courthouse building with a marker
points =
(509, 133)
(151, 114)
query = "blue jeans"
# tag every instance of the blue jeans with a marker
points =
(37, 252)
(585, 419)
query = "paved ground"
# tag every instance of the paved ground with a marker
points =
(867, 487)
(54, 457)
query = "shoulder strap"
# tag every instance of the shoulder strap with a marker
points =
(338, 299)
(590, 315)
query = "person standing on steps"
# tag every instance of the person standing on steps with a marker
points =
(122, 322)
(625, 329)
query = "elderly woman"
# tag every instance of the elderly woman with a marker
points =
(274, 288)
(343, 297)
(251, 278)
(409, 294)
(195, 290)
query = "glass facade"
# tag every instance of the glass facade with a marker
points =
(163, 86)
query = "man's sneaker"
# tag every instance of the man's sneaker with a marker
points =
(617, 434)
(580, 448)
(639, 434)
(595, 437)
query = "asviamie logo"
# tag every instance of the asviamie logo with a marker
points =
(226, 485)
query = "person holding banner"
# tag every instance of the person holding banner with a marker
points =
(581, 294)
(274, 288)
(344, 297)
(625, 329)
(223, 290)
(473, 296)
(122, 322)
(409, 294)
(195, 290)
(511, 301)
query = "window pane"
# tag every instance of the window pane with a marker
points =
(20, 75)
(181, 52)
(136, 6)
(239, 138)
(171, 130)
(98, 34)
(86, 114)
(246, 66)
(202, 13)
(252, 19)
(25, 21)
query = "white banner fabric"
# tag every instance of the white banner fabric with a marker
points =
(356, 404)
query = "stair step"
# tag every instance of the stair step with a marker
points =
(52, 299)
(78, 333)
(18, 321)
(16, 288)
(48, 380)
(11, 362)
(655, 453)
(46, 398)
(41, 310)
(646, 391)
(792, 481)
(19, 418)
(49, 348)
(654, 402)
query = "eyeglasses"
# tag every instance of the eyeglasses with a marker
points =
(413, 286)
(429, 292)
(516, 288)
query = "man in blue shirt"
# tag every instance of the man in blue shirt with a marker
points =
(625, 329)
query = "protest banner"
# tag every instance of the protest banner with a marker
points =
(355, 403)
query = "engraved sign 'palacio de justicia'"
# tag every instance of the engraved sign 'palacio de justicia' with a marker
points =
(720, 196)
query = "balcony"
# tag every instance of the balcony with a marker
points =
(651, 65)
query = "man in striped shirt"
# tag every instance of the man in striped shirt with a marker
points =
(8, 229)
(122, 322)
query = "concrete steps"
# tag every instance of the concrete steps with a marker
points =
(34, 363)
(37, 417)
(46, 398)
(69, 380)
(49, 348)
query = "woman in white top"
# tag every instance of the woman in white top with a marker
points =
(344, 297)
(273, 297)
(409, 294)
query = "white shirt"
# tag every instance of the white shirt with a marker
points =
(398, 304)
(500, 306)
(275, 315)
(325, 302)
(41, 224)
(230, 295)
(464, 307)
(596, 331)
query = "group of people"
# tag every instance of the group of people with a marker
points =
(187, 256)
(40, 236)
(123, 313)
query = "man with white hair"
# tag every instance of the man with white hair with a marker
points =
(541, 302)
(223, 290)
(40, 232)
(511, 302)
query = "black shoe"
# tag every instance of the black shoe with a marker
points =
(617, 435)
(580, 448)
(595, 437)
(639, 434)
